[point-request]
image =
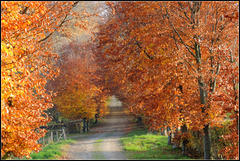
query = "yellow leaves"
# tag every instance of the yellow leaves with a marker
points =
(3, 23)
(32, 69)
(151, 45)
(6, 48)
(8, 128)
(42, 11)
(78, 104)
(165, 61)
(20, 71)
(76, 97)
(211, 115)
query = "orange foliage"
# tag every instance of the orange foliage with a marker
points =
(167, 61)
(77, 94)
(26, 65)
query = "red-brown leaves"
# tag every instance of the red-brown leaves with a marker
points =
(149, 49)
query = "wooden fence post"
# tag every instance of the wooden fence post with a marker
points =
(43, 141)
(51, 137)
(79, 126)
(165, 132)
(76, 127)
(64, 134)
(57, 135)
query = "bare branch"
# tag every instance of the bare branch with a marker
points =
(142, 49)
(63, 21)
(191, 65)
(184, 11)
(179, 35)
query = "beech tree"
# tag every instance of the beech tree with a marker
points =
(168, 57)
(26, 64)
(77, 95)
(202, 32)
(231, 96)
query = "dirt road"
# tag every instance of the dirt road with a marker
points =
(104, 142)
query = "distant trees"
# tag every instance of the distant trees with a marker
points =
(77, 96)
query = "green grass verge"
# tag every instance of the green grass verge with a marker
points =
(50, 151)
(53, 150)
(138, 144)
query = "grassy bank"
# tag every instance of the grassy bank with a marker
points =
(138, 144)
(57, 150)
(53, 150)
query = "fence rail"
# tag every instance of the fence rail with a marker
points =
(59, 132)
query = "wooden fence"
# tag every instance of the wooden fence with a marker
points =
(59, 132)
(53, 136)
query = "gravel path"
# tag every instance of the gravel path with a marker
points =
(104, 142)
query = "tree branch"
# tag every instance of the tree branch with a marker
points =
(143, 49)
(179, 35)
(22, 56)
(184, 11)
(64, 20)
(191, 65)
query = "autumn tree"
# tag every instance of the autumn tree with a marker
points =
(26, 64)
(77, 95)
(231, 96)
(202, 40)
(146, 43)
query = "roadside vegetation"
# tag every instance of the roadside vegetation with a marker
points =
(139, 144)
(53, 150)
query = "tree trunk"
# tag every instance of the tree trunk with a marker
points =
(163, 131)
(206, 142)
(206, 137)
(185, 141)
(96, 120)
(170, 139)
(139, 119)
(84, 125)
(169, 136)
(87, 125)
